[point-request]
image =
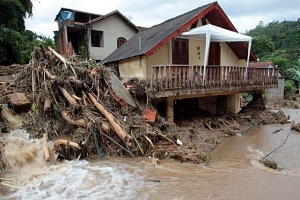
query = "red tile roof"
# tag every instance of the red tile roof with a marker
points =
(260, 64)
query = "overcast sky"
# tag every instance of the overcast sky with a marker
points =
(244, 14)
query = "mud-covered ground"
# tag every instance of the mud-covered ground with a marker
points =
(198, 140)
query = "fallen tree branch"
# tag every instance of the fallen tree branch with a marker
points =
(70, 99)
(47, 105)
(74, 80)
(78, 122)
(149, 140)
(45, 147)
(142, 151)
(66, 143)
(62, 59)
(10, 186)
(49, 75)
(13, 122)
(126, 138)
(208, 126)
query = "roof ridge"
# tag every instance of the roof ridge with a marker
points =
(168, 20)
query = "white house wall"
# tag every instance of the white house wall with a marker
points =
(113, 27)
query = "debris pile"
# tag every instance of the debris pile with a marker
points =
(81, 102)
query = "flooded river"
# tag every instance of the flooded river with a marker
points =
(233, 173)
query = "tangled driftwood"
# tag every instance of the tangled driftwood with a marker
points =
(71, 97)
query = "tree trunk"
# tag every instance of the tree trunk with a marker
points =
(113, 121)
(45, 147)
(70, 99)
(66, 143)
(79, 122)
(12, 121)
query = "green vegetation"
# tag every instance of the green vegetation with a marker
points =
(16, 43)
(278, 42)
(248, 97)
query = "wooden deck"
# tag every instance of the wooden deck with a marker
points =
(178, 80)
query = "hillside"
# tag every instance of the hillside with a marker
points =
(286, 38)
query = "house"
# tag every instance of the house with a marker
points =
(273, 93)
(95, 34)
(185, 65)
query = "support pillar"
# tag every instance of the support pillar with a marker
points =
(170, 110)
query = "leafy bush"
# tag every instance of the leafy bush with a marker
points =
(248, 97)
(289, 86)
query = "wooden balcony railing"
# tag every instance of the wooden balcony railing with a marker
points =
(170, 77)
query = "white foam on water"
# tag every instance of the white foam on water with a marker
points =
(24, 160)
(239, 134)
(257, 153)
(81, 180)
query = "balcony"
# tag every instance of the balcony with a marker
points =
(181, 80)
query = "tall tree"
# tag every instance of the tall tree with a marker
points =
(262, 45)
(12, 24)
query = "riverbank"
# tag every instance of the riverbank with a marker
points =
(200, 135)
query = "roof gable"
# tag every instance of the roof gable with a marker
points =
(150, 40)
(110, 14)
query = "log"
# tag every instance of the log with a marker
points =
(19, 102)
(45, 147)
(62, 59)
(142, 151)
(12, 121)
(149, 140)
(76, 97)
(49, 75)
(47, 105)
(78, 122)
(126, 138)
(66, 143)
(74, 80)
(70, 99)
(235, 125)
(208, 126)
(10, 186)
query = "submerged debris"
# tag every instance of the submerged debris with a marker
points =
(296, 127)
(270, 164)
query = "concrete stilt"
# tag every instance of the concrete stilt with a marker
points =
(170, 109)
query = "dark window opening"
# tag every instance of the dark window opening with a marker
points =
(214, 54)
(180, 51)
(194, 25)
(221, 108)
(204, 22)
(97, 38)
(120, 41)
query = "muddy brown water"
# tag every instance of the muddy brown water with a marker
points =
(233, 173)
